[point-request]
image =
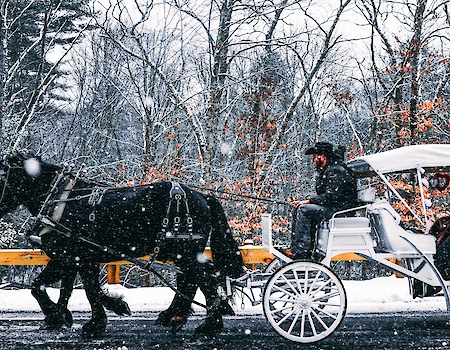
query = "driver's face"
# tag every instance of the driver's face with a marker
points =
(320, 160)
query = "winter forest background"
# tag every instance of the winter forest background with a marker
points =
(224, 95)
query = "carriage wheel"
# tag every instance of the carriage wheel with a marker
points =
(304, 301)
(274, 265)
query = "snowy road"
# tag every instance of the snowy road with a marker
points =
(406, 330)
(380, 315)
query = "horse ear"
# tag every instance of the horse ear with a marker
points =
(28, 155)
(14, 159)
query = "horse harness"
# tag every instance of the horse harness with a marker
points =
(54, 204)
(177, 197)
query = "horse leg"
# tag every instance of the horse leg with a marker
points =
(180, 309)
(89, 273)
(215, 306)
(112, 303)
(65, 293)
(55, 315)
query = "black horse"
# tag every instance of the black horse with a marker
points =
(80, 224)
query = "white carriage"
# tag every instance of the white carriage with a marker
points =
(305, 301)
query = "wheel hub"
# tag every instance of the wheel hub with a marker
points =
(304, 302)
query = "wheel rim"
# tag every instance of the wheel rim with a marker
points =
(274, 265)
(304, 301)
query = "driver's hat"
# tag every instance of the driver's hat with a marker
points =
(321, 148)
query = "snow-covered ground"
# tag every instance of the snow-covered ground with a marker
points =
(384, 294)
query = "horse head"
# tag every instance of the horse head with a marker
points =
(23, 178)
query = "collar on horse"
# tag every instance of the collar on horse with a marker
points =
(43, 217)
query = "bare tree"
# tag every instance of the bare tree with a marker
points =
(401, 67)
(28, 72)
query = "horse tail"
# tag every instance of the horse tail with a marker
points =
(225, 251)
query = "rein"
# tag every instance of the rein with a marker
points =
(104, 189)
(205, 189)
(244, 197)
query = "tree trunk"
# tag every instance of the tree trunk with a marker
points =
(414, 52)
(219, 72)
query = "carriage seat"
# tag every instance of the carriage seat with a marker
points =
(345, 232)
(367, 195)
(387, 232)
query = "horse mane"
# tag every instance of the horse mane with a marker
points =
(18, 159)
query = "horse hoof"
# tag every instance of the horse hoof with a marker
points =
(177, 322)
(209, 329)
(118, 306)
(53, 323)
(163, 319)
(121, 308)
(93, 330)
(67, 318)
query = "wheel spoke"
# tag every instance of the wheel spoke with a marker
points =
(321, 287)
(302, 326)
(316, 278)
(283, 290)
(306, 282)
(285, 317)
(290, 285)
(278, 310)
(324, 325)
(293, 323)
(327, 296)
(311, 324)
(322, 311)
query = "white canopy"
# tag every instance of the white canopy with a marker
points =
(429, 157)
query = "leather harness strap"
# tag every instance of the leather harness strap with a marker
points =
(59, 208)
(177, 197)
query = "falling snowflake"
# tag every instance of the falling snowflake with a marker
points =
(32, 167)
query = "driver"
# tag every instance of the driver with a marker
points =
(336, 190)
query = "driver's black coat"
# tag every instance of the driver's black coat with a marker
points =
(335, 186)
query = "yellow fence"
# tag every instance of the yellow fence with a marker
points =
(251, 255)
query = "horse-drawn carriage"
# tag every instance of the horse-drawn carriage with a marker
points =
(80, 224)
(305, 301)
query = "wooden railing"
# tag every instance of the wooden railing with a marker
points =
(251, 255)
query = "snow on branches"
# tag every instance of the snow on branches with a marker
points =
(8, 235)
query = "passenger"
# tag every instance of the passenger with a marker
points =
(336, 190)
